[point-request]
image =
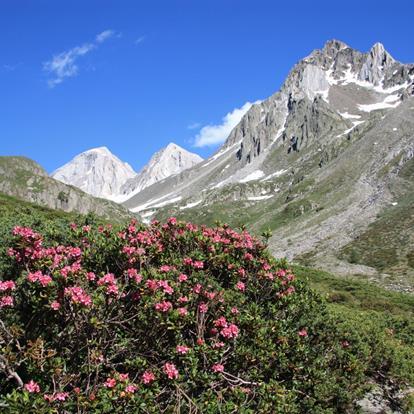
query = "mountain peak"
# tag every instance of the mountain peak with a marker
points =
(335, 45)
(168, 161)
(379, 53)
(96, 171)
(99, 150)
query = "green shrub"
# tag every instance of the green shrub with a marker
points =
(175, 317)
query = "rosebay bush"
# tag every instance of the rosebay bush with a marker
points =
(169, 318)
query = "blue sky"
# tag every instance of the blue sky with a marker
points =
(136, 75)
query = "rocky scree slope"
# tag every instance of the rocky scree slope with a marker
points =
(315, 163)
(25, 179)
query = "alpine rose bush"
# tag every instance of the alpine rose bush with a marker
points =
(163, 318)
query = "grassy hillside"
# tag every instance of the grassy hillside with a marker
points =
(54, 224)
(23, 178)
(388, 243)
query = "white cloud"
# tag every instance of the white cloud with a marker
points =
(106, 34)
(211, 135)
(139, 40)
(64, 65)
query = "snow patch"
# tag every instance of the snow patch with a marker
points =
(190, 205)
(355, 124)
(378, 105)
(273, 175)
(255, 175)
(346, 115)
(259, 198)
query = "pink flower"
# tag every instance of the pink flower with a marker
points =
(200, 341)
(112, 290)
(34, 277)
(164, 306)
(217, 368)
(182, 349)
(241, 272)
(48, 397)
(203, 307)
(221, 322)
(78, 295)
(55, 305)
(183, 299)
(240, 286)
(188, 261)
(151, 284)
(166, 287)
(182, 277)
(182, 311)
(90, 276)
(123, 377)
(198, 264)
(32, 387)
(303, 333)
(110, 383)
(197, 288)
(248, 257)
(218, 345)
(6, 301)
(210, 295)
(61, 396)
(232, 331)
(44, 280)
(108, 279)
(148, 377)
(345, 344)
(133, 274)
(234, 310)
(172, 221)
(7, 285)
(165, 268)
(170, 370)
(130, 388)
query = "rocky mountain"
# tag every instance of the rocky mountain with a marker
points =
(25, 179)
(168, 161)
(317, 163)
(97, 172)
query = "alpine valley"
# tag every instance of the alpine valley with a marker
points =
(325, 165)
(240, 283)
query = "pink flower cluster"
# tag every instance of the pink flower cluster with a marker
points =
(170, 370)
(182, 349)
(38, 276)
(78, 296)
(164, 306)
(109, 281)
(148, 377)
(7, 285)
(32, 387)
(6, 301)
(133, 274)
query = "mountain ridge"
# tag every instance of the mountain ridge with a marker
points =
(308, 159)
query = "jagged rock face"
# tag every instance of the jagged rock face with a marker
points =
(328, 95)
(169, 161)
(316, 161)
(97, 172)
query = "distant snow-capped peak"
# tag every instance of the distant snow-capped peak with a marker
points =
(97, 172)
(168, 161)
